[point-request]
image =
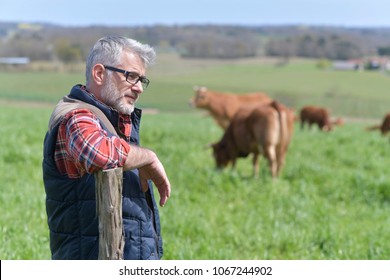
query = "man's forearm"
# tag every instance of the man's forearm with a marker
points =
(139, 157)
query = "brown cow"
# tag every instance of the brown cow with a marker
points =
(223, 106)
(384, 127)
(315, 115)
(264, 130)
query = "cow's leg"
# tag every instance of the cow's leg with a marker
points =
(270, 155)
(255, 165)
(233, 163)
(280, 157)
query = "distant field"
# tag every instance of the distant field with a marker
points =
(332, 200)
(353, 94)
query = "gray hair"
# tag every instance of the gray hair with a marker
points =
(108, 50)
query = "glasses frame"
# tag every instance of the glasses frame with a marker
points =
(144, 81)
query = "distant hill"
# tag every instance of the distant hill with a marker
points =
(44, 41)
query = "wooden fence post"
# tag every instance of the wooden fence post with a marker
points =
(109, 184)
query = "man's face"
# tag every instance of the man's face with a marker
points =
(117, 92)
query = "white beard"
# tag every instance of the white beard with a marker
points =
(113, 98)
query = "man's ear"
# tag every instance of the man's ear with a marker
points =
(98, 73)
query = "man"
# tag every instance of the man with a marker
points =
(81, 141)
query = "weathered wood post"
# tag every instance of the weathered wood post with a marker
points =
(109, 184)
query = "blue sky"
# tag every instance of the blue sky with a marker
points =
(347, 13)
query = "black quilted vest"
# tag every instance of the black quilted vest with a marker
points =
(71, 205)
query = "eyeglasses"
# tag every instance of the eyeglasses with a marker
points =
(131, 77)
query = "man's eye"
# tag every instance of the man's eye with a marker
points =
(132, 76)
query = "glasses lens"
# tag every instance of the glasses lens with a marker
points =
(144, 82)
(134, 78)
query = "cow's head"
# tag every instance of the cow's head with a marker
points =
(328, 127)
(200, 100)
(220, 154)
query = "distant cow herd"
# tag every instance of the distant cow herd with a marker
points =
(256, 124)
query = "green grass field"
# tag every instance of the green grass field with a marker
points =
(331, 201)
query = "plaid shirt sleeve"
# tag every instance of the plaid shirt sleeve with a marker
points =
(84, 147)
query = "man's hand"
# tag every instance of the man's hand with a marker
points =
(155, 172)
(150, 168)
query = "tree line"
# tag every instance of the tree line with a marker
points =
(70, 44)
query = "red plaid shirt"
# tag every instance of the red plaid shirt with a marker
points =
(84, 147)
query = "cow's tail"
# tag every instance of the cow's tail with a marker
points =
(282, 121)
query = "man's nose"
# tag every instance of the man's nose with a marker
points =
(137, 87)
